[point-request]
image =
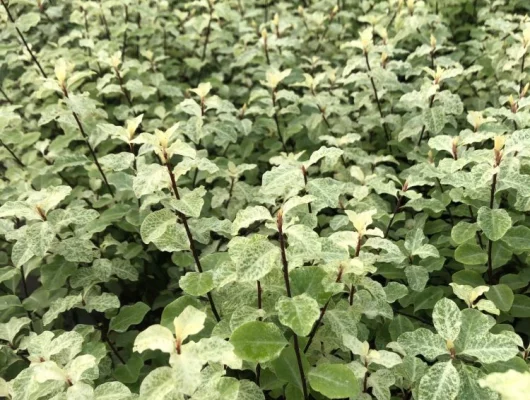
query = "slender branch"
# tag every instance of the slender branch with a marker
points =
(277, 121)
(322, 313)
(208, 31)
(396, 208)
(93, 153)
(304, 173)
(104, 20)
(18, 160)
(351, 295)
(114, 349)
(431, 99)
(6, 96)
(522, 72)
(479, 238)
(285, 268)
(331, 17)
(33, 57)
(265, 46)
(230, 191)
(124, 42)
(65, 93)
(193, 249)
(122, 86)
(387, 134)
(446, 207)
(490, 242)
(260, 292)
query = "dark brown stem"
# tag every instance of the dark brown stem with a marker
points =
(490, 262)
(6, 96)
(104, 20)
(322, 313)
(114, 349)
(304, 173)
(230, 191)
(277, 121)
(424, 127)
(93, 153)
(447, 207)
(365, 380)
(33, 57)
(493, 188)
(352, 293)
(479, 238)
(208, 31)
(194, 251)
(321, 38)
(522, 71)
(490, 242)
(266, 49)
(376, 95)
(124, 43)
(285, 267)
(122, 86)
(396, 210)
(18, 160)
(24, 284)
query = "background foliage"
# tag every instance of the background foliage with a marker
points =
(254, 199)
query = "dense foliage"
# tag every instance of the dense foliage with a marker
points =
(254, 199)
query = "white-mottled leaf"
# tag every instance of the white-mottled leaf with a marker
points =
(441, 382)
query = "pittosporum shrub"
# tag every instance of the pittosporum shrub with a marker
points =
(254, 199)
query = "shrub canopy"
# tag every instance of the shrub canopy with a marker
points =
(254, 199)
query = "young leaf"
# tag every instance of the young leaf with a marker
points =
(447, 319)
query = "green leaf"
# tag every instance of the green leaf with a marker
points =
(298, 313)
(8, 330)
(335, 381)
(254, 257)
(469, 386)
(249, 215)
(470, 254)
(441, 382)
(417, 276)
(463, 231)
(190, 203)
(27, 21)
(518, 238)
(40, 237)
(59, 306)
(283, 181)
(520, 307)
(502, 296)
(159, 384)
(490, 348)
(286, 366)
(258, 341)
(112, 391)
(494, 223)
(156, 337)
(197, 283)
(326, 191)
(161, 228)
(447, 319)
(424, 342)
(129, 315)
(434, 119)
